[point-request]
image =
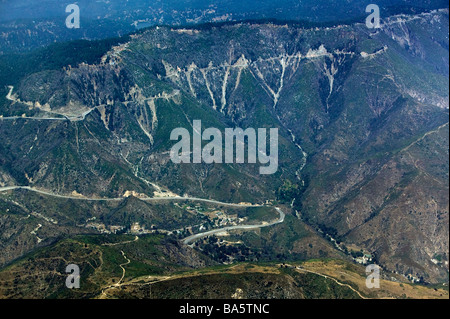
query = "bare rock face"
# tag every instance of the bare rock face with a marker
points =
(362, 115)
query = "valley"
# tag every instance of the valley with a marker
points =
(86, 174)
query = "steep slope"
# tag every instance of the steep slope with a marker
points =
(362, 114)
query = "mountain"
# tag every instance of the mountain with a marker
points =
(362, 116)
(27, 24)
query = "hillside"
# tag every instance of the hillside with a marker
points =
(155, 267)
(363, 146)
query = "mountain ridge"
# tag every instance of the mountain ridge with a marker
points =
(355, 156)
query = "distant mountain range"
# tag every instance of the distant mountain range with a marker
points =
(27, 24)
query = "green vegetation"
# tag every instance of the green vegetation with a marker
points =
(371, 127)
(14, 67)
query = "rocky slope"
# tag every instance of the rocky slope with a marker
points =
(363, 119)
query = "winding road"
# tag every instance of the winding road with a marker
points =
(64, 117)
(147, 199)
(192, 238)
(333, 279)
(187, 240)
(48, 193)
